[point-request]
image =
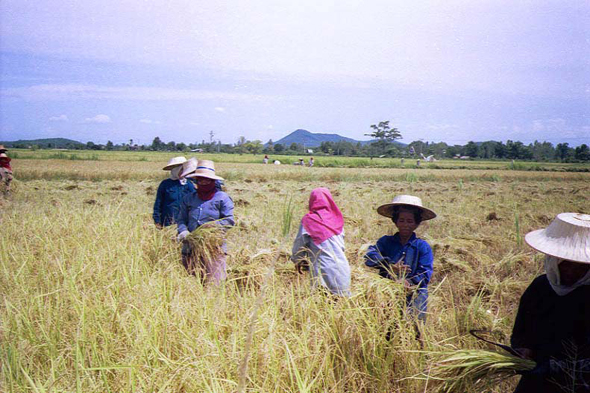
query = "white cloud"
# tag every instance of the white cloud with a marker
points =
(149, 121)
(58, 118)
(98, 119)
(56, 92)
(220, 109)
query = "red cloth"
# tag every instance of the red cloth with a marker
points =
(5, 163)
(206, 192)
(324, 219)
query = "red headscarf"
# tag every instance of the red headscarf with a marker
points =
(205, 193)
(324, 219)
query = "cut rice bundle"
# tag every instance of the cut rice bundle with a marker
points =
(206, 242)
(474, 369)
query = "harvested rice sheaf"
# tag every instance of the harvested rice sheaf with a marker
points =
(206, 242)
(474, 369)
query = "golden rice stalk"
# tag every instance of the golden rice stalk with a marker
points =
(474, 369)
(206, 242)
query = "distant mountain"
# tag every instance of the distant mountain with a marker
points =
(310, 139)
(58, 143)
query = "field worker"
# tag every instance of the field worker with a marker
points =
(207, 205)
(170, 193)
(265, 160)
(552, 326)
(320, 243)
(190, 166)
(311, 162)
(276, 162)
(5, 171)
(404, 257)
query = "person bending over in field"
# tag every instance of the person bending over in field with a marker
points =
(404, 257)
(207, 207)
(5, 170)
(552, 326)
(170, 193)
(319, 244)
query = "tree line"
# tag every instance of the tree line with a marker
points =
(384, 145)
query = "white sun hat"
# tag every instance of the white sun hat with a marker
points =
(567, 237)
(205, 168)
(174, 162)
(189, 166)
(406, 200)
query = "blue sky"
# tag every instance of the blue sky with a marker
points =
(450, 71)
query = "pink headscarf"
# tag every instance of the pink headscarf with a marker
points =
(324, 219)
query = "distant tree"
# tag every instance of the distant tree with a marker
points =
(385, 134)
(471, 149)
(278, 148)
(582, 153)
(294, 146)
(181, 146)
(254, 147)
(562, 151)
(109, 145)
(157, 144)
(171, 146)
(90, 145)
(241, 140)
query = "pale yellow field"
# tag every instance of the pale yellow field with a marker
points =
(95, 298)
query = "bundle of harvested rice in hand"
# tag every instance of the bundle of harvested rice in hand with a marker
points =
(471, 370)
(206, 242)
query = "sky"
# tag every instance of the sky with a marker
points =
(451, 71)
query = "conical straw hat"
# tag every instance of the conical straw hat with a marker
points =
(205, 168)
(174, 162)
(567, 237)
(406, 200)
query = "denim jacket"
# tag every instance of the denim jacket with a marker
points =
(416, 254)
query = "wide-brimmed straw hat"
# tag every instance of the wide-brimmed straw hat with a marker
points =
(2, 149)
(567, 237)
(205, 168)
(406, 200)
(189, 167)
(174, 162)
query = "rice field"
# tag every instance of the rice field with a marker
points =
(95, 298)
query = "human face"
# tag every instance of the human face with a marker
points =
(204, 181)
(406, 224)
(571, 272)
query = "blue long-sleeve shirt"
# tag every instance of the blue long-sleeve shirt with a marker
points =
(168, 199)
(418, 256)
(195, 212)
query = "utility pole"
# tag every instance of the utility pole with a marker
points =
(211, 135)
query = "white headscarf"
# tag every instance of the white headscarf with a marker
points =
(552, 270)
(175, 173)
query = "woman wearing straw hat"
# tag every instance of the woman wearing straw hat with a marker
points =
(205, 206)
(405, 257)
(320, 240)
(170, 193)
(552, 325)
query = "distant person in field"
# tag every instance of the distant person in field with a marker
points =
(319, 244)
(404, 257)
(5, 170)
(265, 160)
(170, 193)
(206, 206)
(311, 162)
(276, 162)
(552, 326)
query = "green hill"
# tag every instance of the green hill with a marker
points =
(56, 143)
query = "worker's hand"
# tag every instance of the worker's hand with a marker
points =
(182, 235)
(400, 269)
(542, 369)
(302, 266)
(158, 226)
(526, 353)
